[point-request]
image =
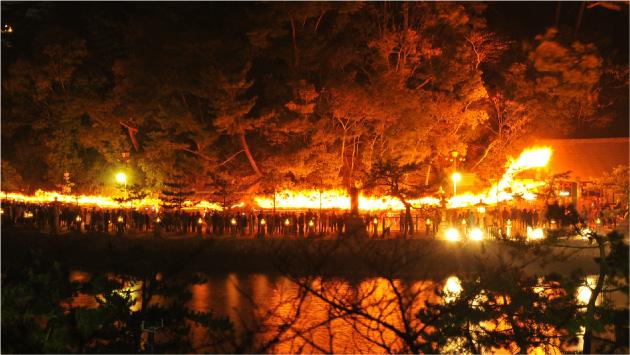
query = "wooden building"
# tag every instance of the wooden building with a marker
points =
(587, 160)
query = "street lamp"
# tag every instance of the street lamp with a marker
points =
(456, 178)
(122, 179)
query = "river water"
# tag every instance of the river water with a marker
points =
(262, 305)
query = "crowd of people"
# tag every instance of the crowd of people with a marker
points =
(299, 224)
(59, 216)
(541, 216)
(65, 216)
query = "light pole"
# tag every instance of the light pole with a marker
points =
(456, 178)
(122, 179)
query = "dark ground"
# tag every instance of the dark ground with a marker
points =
(174, 253)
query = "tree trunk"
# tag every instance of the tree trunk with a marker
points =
(409, 220)
(249, 154)
(132, 135)
(590, 308)
(296, 60)
(579, 19)
(558, 14)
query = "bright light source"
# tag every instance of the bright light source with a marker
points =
(457, 177)
(121, 177)
(564, 193)
(584, 292)
(476, 234)
(583, 295)
(452, 235)
(537, 234)
(452, 289)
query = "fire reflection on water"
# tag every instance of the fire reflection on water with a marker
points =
(267, 308)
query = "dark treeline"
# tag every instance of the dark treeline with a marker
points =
(261, 96)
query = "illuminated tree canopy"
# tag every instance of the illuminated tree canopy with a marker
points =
(277, 94)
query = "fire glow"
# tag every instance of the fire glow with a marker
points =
(338, 198)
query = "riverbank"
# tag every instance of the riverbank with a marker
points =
(99, 252)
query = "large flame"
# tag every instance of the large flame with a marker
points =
(340, 199)
(530, 158)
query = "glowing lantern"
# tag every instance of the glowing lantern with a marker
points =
(263, 222)
(476, 234)
(234, 221)
(120, 219)
(310, 223)
(78, 218)
(158, 220)
(598, 222)
(287, 222)
(375, 221)
(452, 235)
(481, 207)
(428, 221)
(200, 221)
(463, 222)
(509, 226)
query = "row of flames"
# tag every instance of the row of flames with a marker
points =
(339, 199)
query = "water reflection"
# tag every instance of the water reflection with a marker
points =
(273, 314)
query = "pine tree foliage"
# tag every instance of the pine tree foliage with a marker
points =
(177, 191)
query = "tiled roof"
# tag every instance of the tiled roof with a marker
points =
(587, 158)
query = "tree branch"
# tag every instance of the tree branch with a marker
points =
(230, 158)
